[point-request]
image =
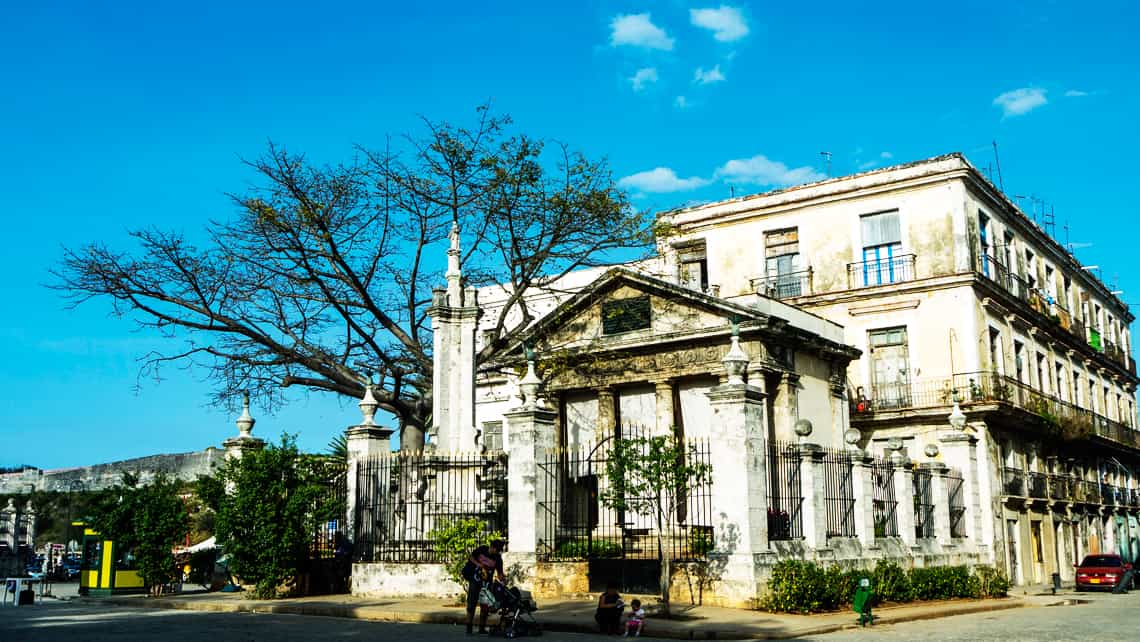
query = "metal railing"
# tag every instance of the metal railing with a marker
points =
(1038, 485)
(955, 491)
(1060, 487)
(402, 499)
(576, 525)
(884, 504)
(839, 493)
(923, 503)
(783, 286)
(866, 274)
(785, 492)
(1013, 482)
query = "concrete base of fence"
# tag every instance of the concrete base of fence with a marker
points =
(384, 579)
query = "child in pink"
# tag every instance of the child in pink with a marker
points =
(636, 617)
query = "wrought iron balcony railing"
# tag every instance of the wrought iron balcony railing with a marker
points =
(783, 286)
(868, 274)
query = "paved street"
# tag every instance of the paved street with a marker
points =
(1105, 617)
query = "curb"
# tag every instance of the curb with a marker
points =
(405, 617)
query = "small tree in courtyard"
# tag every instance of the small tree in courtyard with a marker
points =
(268, 506)
(146, 522)
(652, 476)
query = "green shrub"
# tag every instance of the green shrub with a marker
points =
(942, 583)
(600, 548)
(454, 542)
(701, 542)
(991, 582)
(890, 583)
(797, 587)
(841, 585)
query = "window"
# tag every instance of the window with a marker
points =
(882, 249)
(1076, 388)
(1068, 285)
(1030, 269)
(625, 315)
(693, 265)
(984, 235)
(1019, 361)
(1038, 553)
(1092, 395)
(995, 351)
(890, 367)
(1009, 251)
(492, 436)
(1050, 285)
(1042, 373)
(1059, 378)
(782, 263)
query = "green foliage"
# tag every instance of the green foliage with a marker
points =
(701, 542)
(891, 583)
(268, 504)
(54, 509)
(991, 582)
(804, 587)
(454, 542)
(145, 522)
(599, 548)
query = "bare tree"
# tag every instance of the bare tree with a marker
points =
(323, 277)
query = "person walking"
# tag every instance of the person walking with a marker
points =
(483, 564)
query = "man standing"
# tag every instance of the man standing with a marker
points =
(484, 563)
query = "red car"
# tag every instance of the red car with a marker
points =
(1103, 571)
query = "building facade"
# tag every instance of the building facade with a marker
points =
(952, 294)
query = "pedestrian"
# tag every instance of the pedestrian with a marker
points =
(608, 615)
(636, 618)
(484, 564)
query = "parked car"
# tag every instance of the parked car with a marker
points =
(1102, 571)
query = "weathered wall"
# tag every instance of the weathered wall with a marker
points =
(183, 466)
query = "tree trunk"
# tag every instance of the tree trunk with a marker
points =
(411, 438)
(666, 563)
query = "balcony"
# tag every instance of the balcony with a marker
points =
(1108, 495)
(1038, 485)
(1059, 488)
(1095, 340)
(1060, 418)
(869, 274)
(1013, 482)
(783, 286)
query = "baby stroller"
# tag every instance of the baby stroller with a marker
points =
(516, 610)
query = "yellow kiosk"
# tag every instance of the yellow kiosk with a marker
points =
(105, 569)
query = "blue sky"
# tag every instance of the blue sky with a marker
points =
(137, 114)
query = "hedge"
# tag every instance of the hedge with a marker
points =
(805, 587)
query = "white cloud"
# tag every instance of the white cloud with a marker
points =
(886, 156)
(643, 78)
(868, 165)
(708, 77)
(1020, 101)
(660, 180)
(681, 102)
(761, 170)
(1075, 93)
(726, 23)
(638, 31)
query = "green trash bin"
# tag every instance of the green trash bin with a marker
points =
(861, 603)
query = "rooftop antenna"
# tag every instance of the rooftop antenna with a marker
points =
(731, 191)
(1049, 221)
(1068, 245)
(827, 157)
(997, 161)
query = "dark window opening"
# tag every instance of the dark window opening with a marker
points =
(625, 315)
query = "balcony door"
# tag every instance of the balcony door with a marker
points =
(882, 249)
(782, 257)
(890, 368)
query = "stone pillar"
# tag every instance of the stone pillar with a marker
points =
(813, 486)
(904, 495)
(363, 441)
(454, 315)
(786, 408)
(863, 479)
(29, 522)
(739, 457)
(607, 420)
(9, 535)
(666, 422)
(245, 441)
(959, 451)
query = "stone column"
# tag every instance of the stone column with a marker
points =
(786, 408)
(29, 520)
(863, 479)
(666, 422)
(904, 495)
(813, 486)
(739, 457)
(959, 450)
(364, 441)
(607, 421)
(245, 441)
(8, 521)
(531, 428)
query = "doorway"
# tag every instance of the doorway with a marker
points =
(890, 368)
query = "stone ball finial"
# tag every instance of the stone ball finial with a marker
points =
(529, 386)
(803, 428)
(368, 406)
(246, 421)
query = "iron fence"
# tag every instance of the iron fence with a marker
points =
(923, 504)
(329, 511)
(884, 505)
(785, 492)
(955, 491)
(575, 524)
(401, 499)
(839, 493)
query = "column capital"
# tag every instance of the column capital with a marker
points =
(731, 392)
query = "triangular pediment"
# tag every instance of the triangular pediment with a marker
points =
(624, 309)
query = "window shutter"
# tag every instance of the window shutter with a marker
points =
(881, 229)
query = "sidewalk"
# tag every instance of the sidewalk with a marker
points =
(693, 622)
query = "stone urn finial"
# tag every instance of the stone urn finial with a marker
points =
(246, 421)
(736, 361)
(530, 384)
(368, 406)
